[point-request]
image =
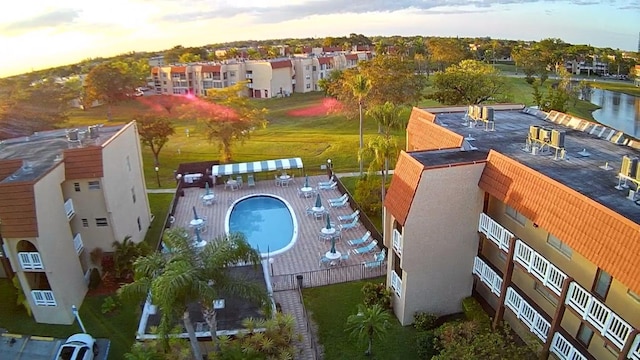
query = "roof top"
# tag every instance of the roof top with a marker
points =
(43, 150)
(580, 173)
(402, 189)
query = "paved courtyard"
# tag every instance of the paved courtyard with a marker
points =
(305, 254)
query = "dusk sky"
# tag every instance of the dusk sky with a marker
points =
(38, 34)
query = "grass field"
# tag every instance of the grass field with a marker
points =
(331, 305)
(314, 139)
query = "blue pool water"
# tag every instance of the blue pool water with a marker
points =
(267, 222)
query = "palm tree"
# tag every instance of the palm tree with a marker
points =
(381, 149)
(368, 323)
(187, 275)
(125, 253)
(360, 86)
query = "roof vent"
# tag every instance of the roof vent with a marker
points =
(72, 135)
(94, 132)
(27, 167)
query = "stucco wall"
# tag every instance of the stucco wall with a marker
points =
(440, 242)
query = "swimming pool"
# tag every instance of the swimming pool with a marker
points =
(267, 221)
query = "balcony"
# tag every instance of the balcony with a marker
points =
(487, 275)
(30, 261)
(495, 232)
(634, 353)
(397, 241)
(527, 314)
(610, 325)
(68, 208)
(77, 243)
(250, 85)
(396, 283)
(248, 76)
(43, 298)
(538, 266)
(564, 350)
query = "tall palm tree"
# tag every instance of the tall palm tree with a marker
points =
(187, 275)
(368, 323)
(381, 149)
(360, 86)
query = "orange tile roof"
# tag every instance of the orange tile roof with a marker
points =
(351, 56)
(210, 68)
(606, 238)
(281, 64)
(324, 60)
(424, 134)
(155, 70)
(403, 187)
(178, 69)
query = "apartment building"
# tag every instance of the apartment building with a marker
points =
(538, 219)
(595, 66)
(64, 193)
(266, 78)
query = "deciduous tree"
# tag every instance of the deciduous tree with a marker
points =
(111, 82)
(154, 131)
(447, 51)
(470, 82)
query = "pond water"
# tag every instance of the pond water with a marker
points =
(619, 111)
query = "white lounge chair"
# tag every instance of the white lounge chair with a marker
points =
(365, 249)
(339, 203)
(350, 217)
(361, 240)
(339, 199)
(331, 180)
(351, 225)
(330, 186)
(250, 180)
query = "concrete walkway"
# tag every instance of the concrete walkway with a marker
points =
(291, 304)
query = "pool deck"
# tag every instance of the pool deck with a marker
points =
(306, 252)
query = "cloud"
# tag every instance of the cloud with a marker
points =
(293, 11)
(52, 18)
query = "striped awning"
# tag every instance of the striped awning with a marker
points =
(257, 166)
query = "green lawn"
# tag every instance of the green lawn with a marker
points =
(330, 306)
(159, 204)
(119, 328)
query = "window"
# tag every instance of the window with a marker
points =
(633, 295)
(584, 335)
(308, 86)
(518, 217)
(542, 290)
(133, 195)
(101, 222)
(85, 222)
(602, 284)
(94, 185)
(557, 244)
(314, 68)
(139, 224)
(232, 74)
(76, 187)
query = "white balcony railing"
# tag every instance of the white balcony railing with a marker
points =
(68, 208)
(248, 76)
(539, 267)
(43, 298)
(564, 350)
(610, 325)
(634, 352)
(30, 261)
(487, 275)
(495, 232)
(77, 243)
(397, 241)
(527, 314)
(396, 283)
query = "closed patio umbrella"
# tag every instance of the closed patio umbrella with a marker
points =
(328, 223)
(306, 181)
(206, 188)
(333, 245)
(318, 201)
(195, 214)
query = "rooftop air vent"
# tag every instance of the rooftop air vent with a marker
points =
(27, 167)
(72, 135)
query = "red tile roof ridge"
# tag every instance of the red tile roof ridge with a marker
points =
(403, 187)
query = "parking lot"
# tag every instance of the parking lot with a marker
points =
(25, 347)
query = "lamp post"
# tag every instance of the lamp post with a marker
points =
(157, 169)
(329, 168)
(74, 309)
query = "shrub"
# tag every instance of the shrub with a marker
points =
(423, 321)
(368, 195)
(474, 312)
(94, 279)
(109, 304)
(108, 265)
(376, 293)
(426, 344)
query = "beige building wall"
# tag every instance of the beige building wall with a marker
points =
(303, 75)
(55, 244)
(281, 81)
(439, 244)
(90, 205)
(123, 179)
(261, 75)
